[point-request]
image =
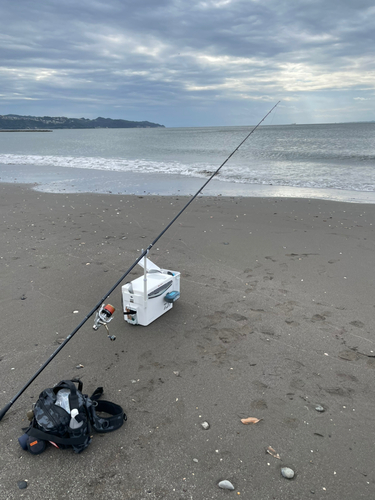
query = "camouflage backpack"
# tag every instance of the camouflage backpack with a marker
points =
(65, 417)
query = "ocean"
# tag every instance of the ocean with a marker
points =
(328, 161)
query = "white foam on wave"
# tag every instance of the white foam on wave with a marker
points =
(97, 163)
(306, 175)
(276, 173)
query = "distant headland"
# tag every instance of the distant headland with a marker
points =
(18, 122)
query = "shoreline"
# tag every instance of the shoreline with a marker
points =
(24, 130)
(276, 316)
(80, 180)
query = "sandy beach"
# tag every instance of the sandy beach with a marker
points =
(276, 317)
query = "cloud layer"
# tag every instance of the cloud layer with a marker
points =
(213, 62)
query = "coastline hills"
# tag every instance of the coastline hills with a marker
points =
(18, 122)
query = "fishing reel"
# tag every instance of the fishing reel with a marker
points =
(103, 316)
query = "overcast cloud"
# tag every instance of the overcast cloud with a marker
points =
(189, 62)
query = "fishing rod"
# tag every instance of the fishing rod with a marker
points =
(143, 254)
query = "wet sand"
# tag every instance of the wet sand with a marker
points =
(276, 316)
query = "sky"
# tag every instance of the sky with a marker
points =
(189, 63)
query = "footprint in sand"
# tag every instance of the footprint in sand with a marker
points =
(358, 324)
(339, 391)
(291, 322)
(318, 317)
(349, 355)
(270, 258)
(347, 376)
(287, 307)
(259, 404)
(268, 278)
(297, 383)
(260, 386)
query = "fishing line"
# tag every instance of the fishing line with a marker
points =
(143, 254)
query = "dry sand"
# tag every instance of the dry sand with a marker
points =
(276, 316)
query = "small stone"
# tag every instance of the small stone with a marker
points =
(22, 485)
(226, 485)
(195, 460)
(205, 425)
(319, 408)
(177, 374)
(286, 472)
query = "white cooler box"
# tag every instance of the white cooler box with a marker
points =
(151, 295)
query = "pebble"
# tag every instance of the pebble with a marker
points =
(22, 485)
(195, 460)
(205, 426)
(226, 485)
(319, 408)
(286, 472)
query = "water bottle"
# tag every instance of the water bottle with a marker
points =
(74, 424)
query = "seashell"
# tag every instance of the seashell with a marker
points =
(273, 452)
(250, 420)
(226, 485)
(288, 473)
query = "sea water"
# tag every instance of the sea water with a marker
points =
(328, 161)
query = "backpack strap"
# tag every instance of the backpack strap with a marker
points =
(61, 384)
(105, 424)
(73, 396)
(45, 436)
(96, 394)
